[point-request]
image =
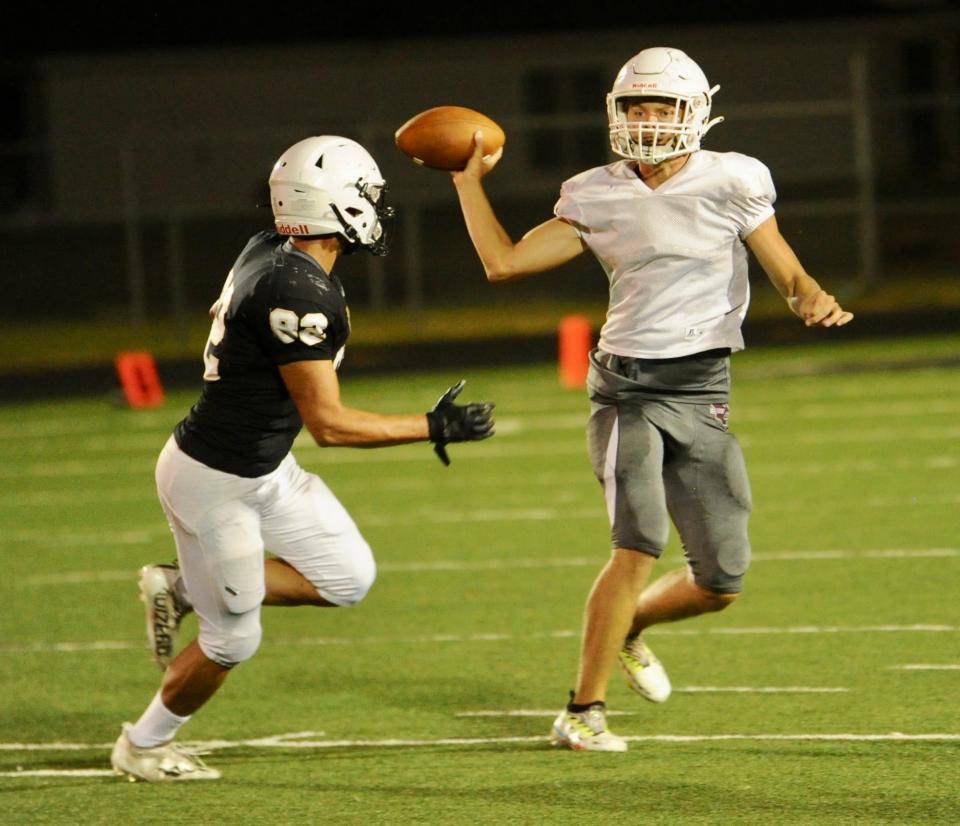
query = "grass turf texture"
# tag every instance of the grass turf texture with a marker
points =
(484, 567)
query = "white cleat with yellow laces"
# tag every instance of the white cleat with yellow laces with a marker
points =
(643, 670)
(585, 730)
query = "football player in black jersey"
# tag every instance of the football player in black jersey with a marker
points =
(226, 479)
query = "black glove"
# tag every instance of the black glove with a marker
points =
(451, 422)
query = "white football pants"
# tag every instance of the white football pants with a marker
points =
(222, 525)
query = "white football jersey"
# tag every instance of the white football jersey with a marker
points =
(674, 255)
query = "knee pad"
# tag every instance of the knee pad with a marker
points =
(353, 580)
(713, 578)
(231, 647)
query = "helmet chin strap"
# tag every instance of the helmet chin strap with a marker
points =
(349, 234)
(351, 238)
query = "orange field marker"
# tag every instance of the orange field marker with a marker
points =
(139, 379)
(575, 341)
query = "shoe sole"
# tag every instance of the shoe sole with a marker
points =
(133, 778)
(561, 741)
(162, 656)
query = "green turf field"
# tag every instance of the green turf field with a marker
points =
(830, 694)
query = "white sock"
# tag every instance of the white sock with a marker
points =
(156, 725)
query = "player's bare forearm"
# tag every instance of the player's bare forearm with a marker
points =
(315, 390)
(544, 247)
(347, 427)
(804, 296)
(491, 241)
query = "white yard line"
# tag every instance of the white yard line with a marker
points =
(511, 448)
(429, 639)
(282, 742)
(127, 442)
(60, 773)
(541, 417)
(768, 689)
(61, 470)
(92, 423)
(80, 539)
(758, 467)
(690, 689)
(892, 553)
(273, 740)
(77, 498)
(817, 629)
(510, 429)
(71, 496)
(436, 516)
(459, 566)
(925, 667)
(80, 577)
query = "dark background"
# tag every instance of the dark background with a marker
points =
(44, 254)
(115, 27)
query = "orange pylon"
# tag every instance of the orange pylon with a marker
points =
(139, 379)
(575, 341)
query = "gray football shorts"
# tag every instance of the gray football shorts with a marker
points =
(660, 447)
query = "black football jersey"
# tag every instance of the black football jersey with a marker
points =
(277, 306)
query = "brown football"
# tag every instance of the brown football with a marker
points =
(442, 137)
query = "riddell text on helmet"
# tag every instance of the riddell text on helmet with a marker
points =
(293, 229)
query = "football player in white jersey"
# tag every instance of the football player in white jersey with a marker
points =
(226, 479)
(670, 224)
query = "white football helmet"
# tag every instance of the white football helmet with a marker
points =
(328, 185)
(669, 75)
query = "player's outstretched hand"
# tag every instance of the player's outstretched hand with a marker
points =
(820, 309)
(451, 422)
